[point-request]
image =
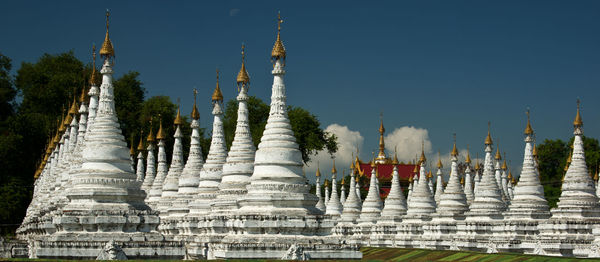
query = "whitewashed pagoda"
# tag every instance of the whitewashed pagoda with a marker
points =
(95, 198)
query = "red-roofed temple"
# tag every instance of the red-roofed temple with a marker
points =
(384, 167)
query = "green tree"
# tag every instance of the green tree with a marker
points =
(309, 135)
(129, 96)
(7, 90)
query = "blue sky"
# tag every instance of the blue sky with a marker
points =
(442, 66)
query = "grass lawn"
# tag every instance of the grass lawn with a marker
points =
(400, 254)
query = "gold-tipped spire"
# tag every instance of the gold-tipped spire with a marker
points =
(395, 161)
(416, 169)
(352, 162)
(195, 114)
(278, 51)
(217, 95)
(150, 137)
(596, 175)
(535, 151)
(498, 156)
(528, 129)
(477, 166)
(82, 96)
(510, 176)
(410, 179)
(429, 174)
(318, 174)
(73, 110)
(333, 170)
(514, 181)
(107, 49)
(140, 146)
(578, 122)
(178, 119)
(93, 77)
(422, 159)
(243, 78)
(488, 138)
(504, 167)
(468, 159)
(381, 155)
(439, 163)
(160, 134)
(454, 151)
(462, 180)
(343, 181)
(326, 183)
(131, 147)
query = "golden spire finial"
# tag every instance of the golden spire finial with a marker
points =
(373, 161)
(195, 114)
(141, 144)
(326, 184)
(429, 174)
(534, 151)
(278, 51)
(82, 96)
(93, 77)
(468, 159)
(217, 95)
(150, 137)
(395, 161)
(107, 49)
(416, 169)
(488, 138)
(243, 78)
(318, 174)
(462, 180)
(423, 158)
(343, 180)
(454, 151)
(498, 156)
(510, 176)
(352, 161)
(160, 134)
(528, 129)
(178, 119)
(504, 167)
(381, 155)
(477, 166)
(131, 147)
(73, 110)
(333, 170)
(578, 122)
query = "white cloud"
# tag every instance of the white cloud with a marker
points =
(234, 12)
(407, 140)
(347, 141)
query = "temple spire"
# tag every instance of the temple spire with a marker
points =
(321, 204)
(190, 175)
(171, 184)
(107, 51)
(239, 164)
(528, 200)
(278, 162)
(578, 197)
(212, 170)
(381, 157)
(453, 201)
(334, 206)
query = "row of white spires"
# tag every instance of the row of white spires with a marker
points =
(199, 188)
